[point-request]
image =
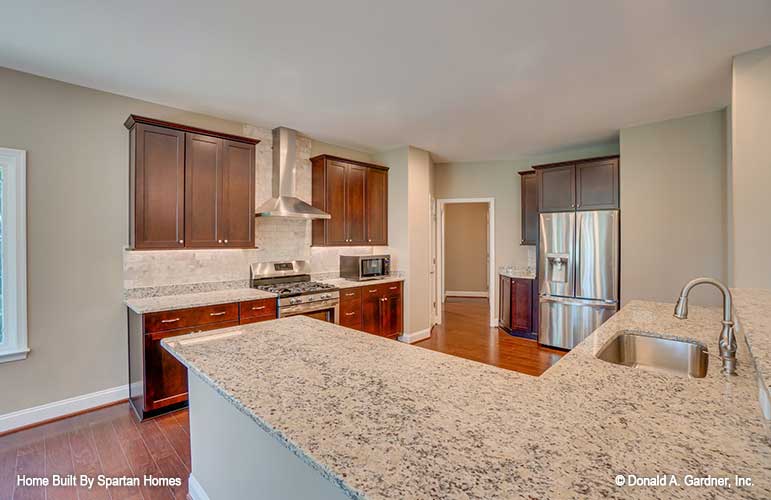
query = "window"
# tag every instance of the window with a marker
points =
(13, 255)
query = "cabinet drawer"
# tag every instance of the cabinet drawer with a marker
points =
(185, 318)
(258, 309)
(350, 294)
(351, 319)
(392, 289)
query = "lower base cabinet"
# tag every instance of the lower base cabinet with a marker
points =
(157, 381)
(518, 306)
(375, 309)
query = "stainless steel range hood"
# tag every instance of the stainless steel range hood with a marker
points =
(285, 202)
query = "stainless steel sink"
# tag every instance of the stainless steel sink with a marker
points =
(640, 350)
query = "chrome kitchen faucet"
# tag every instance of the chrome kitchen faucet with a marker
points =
(727, 341)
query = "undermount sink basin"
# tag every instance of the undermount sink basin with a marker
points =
(647, 352)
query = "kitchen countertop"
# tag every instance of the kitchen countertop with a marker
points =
(527, 274)
(753, 309)
(346, 283)
(388, 420)
(199, 299)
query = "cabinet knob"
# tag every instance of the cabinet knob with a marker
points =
(226, 241)
(219, 241)
(181, 241)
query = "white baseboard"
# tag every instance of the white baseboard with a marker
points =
(415, 336)
(493, 321)
(457, 293)
(48, 411)
(194, 489)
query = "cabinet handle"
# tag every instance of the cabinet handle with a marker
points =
(257, 308)
(350, 294)
(173, 320)
(181, 242)
(393, 287)
(373, 291)
(350, 314)
(226, 241)
(217, 314)
(370, 240)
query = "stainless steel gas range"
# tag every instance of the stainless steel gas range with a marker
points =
(297, 294)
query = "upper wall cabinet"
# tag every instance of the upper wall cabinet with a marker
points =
(529, 207)
(189, 188)
(590, 184)
(355, 194)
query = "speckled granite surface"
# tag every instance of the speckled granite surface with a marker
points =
(753, 308)
(346, 283)
(390, 420)
(160, 291)
(185, 300)
(527, 273)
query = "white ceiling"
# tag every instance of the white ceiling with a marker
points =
(466, 80)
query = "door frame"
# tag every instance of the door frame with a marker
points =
(440, 288)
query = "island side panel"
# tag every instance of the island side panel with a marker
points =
(232, 457)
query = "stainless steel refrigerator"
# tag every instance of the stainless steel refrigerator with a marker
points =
(578, 270)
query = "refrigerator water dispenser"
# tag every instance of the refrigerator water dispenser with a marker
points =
(557, 267)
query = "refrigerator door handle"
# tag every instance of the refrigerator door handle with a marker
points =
(579, 302)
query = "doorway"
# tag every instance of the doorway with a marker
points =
(470, 252)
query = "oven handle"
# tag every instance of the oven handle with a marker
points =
(286, 311)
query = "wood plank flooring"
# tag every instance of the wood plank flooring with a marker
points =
(112, 442)
(465, 332)
(108, 441)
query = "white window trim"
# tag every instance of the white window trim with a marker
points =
(14, 163)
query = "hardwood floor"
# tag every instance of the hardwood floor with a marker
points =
(109, 441)
(465, 332)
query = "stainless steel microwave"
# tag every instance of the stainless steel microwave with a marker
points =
(364, 267)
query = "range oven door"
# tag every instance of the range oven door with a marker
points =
(325, 310)
(373, 267)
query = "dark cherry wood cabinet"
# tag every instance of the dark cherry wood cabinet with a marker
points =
(377, 207)
(590, 184)
(157, 187)
(516, 308)
(157, 381)
(557, 189)
(597, 184)
(355, 194)
(189, 187)
(529, 207)
(374, 308)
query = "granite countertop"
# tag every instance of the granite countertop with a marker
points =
(346, 283)
(390, 420)
(753, 309)
(184, 300)
(523, 273)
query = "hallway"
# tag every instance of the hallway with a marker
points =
(464, 332)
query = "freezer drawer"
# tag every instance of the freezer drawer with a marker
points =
(565, 322)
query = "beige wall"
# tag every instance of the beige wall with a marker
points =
(324, 148)
(465, 247)
(77, 215)
(750, 177)
(499, 180)
(672, 214)
(410, 185)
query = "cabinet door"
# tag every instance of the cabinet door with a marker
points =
(529, 207)
(597, 185)
(237, 194)
(335, 192)
(166, 378)
(391, 316)
(504, 302)
(556, 189)
(371, 305)
(355, 185)
(376, 207)
(158, 200)
(521, 305)
(203, 191)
